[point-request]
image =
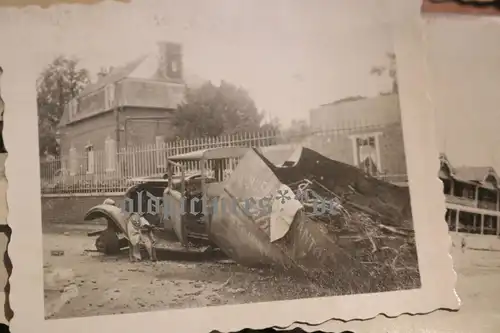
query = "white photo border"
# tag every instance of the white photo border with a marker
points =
(22, 168)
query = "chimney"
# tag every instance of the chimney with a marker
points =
(170, 61)
(104, 72)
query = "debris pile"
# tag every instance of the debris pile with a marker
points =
(361, 240)
(367, 222)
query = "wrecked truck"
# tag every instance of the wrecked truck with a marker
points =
(294, 210)
(325, 221)
(189, 177)
(183, 180)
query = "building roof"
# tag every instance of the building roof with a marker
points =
(473, 173)
(356, 111)
(115, 75)
(146, 67)
(358, 98)
(476, 174)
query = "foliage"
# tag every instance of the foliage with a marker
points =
(274, 125)
(59, 82)
(390, 69)
(298, 130)
(212, 110)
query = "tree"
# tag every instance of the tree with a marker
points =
(273, 125)
(211, 110)
(390, 69)
(298, 130)
(58, 83)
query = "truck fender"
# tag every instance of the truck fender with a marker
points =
(116, 218)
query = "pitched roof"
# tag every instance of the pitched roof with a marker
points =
(473, 173)
(116, 74)
(476, 174)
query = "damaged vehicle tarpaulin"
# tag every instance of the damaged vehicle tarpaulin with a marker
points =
(326, 220)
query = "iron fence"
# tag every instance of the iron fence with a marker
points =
(113, 171)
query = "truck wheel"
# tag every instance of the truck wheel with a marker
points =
(108, 242)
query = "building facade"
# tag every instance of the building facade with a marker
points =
(131, 105)
(365, 132)
(472, 198)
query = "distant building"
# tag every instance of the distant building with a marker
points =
(129, 106)
(472, 198)
(365, 132)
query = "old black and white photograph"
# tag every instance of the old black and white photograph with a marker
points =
(233, 165)
(210, 160)
(461, 54)
(467, 121)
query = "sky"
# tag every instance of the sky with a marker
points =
(291, 55)
(463, 58)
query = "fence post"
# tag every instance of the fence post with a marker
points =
(73, 168)
(110, 153)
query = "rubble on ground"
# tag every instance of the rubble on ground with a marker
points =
(365, 245)
(373, 226)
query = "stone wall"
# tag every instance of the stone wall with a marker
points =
(71, 209)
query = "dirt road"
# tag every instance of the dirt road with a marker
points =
(80, 283)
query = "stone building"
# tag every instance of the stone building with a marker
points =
(131, 105)
(365, 132)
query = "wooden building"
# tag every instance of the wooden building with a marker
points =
(472, 198)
